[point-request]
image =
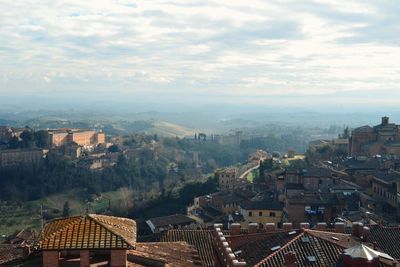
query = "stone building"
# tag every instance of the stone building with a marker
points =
(12, 157)
(312, 207)
(380, 139)
(261, 212)
(227, 178)
(386, 187)
(62, 137)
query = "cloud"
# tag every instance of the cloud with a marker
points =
(216, 48)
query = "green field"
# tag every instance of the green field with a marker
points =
(15, 216)
(252, 175)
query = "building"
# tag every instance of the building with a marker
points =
(312, 207)
(160, 224)
(261, 212)
(11, 255)
(99, 240)
(380, 139)
(224, 202)
(301, 247)
(227, 178)
(312, 178)
(60, 137)
(12, 157)
(256, 157)
(231, 139)
(216, 207)
(386, 187)
(341, 144)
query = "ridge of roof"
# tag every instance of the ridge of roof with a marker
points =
(280, 249)
(93, 217)
(44, 236)
(71, 224)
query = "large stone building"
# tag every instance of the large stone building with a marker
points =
(386, 187)
(12, 157)
(62, 137)
(227, 178)
(380, 139)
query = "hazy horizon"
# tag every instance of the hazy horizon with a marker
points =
(315, 55)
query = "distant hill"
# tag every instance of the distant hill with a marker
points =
(164, 128)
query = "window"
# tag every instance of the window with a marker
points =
(260, 213)
(272, 214)
(250, 213)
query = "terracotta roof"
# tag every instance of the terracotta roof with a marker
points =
(365, 128)
(306, 245)
(261, 205)
(254, 248)
(317, 172)
(9, 253)
(89, 232)
(327, 199)
(387, 239)
(177, 254)
(176, 219)
(202, 240)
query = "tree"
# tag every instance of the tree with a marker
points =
(42, 138)
(66, 209)
(14, 142)
(27, 138)
(345, 134)
(113, 149)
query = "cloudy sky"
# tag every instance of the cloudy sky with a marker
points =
(236, 51)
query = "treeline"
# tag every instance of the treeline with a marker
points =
(57, 174)
(214, 154)
(281, 143)
(30, 138)
(175, 201)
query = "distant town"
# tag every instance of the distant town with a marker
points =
(337, 204)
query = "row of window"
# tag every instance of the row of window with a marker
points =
(383, 193)
(260, 214)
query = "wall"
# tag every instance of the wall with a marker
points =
(264, 218)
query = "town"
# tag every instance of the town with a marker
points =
(337, 204)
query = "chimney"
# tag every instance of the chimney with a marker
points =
(218, 225)
(321, 226)
(290, 259)
(366, 233)
(287, 226)
(339, 227)
(304, 225)
(357, 229)
(235, 229)
(253, 228)
(270, 227)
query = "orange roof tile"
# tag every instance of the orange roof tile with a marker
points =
(89, 232)
(177, 254)
(202, 240)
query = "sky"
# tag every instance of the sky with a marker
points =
(335, 54)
